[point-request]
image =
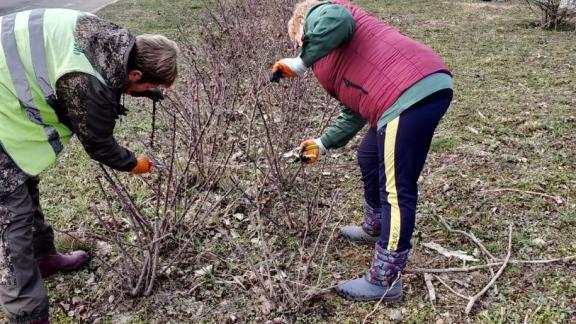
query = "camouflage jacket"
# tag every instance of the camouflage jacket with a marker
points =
(88, 107)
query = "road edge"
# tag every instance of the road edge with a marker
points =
(103, 6)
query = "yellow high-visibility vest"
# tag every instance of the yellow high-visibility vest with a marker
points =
(37, 47)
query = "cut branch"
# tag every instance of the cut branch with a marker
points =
(475, 298)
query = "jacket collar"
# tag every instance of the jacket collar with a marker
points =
(107, 47)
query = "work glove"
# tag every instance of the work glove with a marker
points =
(311, 150)
(143, 165)
(287, 68)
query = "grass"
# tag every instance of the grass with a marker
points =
(511, 125)
(149, 16)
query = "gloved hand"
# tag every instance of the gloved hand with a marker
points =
(143, 165)
(287, 68)
(311, 150)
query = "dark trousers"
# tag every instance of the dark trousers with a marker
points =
(24, 236)
(391, 161)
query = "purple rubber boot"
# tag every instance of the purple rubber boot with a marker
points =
(369, 232)
(383, 278)
(55, 262)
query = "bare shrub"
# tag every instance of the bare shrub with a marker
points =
(554, 13)
(226, 205)
(152, 220)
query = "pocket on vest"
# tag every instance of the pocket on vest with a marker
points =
(351, 94)
(353, 85)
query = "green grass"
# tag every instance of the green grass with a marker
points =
(511, 125)
(150, 16)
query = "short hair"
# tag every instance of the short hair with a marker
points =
(298, 15)
(156, 57)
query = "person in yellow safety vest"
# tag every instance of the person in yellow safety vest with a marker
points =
(62, 72)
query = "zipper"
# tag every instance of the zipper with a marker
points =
(349, 83)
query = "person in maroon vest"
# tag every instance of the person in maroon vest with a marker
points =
(399, 86)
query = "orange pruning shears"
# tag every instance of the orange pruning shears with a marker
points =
(297, 154)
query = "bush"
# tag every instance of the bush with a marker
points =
(554, 13)
(226, 207)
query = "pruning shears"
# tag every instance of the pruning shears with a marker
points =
(276, 76)
(158, 165)
(297, 154)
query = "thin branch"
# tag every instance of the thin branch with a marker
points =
(448, 270)
(489, 265)
(475, 298)
(382, 298)
(326, 250)
(317, 243)
(451, 289)
(136, 289)
(557, 199)
(470, 236)
(564, 259)
(430, 287)
(154, 262)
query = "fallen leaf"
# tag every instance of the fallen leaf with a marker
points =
(204, 270)
(395, 315)
(473, 130)
(539, 242)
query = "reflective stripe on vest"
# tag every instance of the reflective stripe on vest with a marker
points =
(18, 75)
(36, 28)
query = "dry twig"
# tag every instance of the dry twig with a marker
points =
(470, 236)
(475, 298)
(451, 289)
(557, 199)
(381, 299)
(489, 265)
(430, 287)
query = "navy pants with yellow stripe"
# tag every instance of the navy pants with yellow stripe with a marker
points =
(391, 160)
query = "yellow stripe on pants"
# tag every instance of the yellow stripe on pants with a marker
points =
(389, 165)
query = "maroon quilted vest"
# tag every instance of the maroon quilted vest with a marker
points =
(371, 71)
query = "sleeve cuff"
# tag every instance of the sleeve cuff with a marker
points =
(323, 148)
(307, 61)
(297, 65)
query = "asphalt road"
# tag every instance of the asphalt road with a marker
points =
(10, 6)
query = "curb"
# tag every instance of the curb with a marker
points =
(103, 6)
